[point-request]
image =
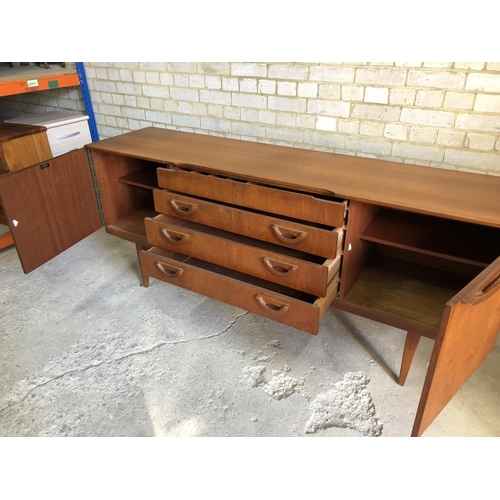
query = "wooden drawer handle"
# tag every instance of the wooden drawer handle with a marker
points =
(288, 236)
(183, 208)
(272, 305)
(279, 268)
(174, 237)
(168, 270)
(488, 290)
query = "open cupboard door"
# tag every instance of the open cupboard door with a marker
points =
(468, 332)
(49, 207)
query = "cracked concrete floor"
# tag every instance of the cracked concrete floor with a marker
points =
(86, 351)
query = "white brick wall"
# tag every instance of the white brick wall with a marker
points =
(446, 115)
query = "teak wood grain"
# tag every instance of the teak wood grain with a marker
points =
(450, 194)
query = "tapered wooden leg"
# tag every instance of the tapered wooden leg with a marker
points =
(411, 344)
(144, 277)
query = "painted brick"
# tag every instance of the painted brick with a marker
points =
(181, 80)
(184, 108)
(156, 103)
(481, 141)
(216, 110)
(329, 91)
(324, 139)
(129, 88)
(375, 129)
(143, 102)
(102, 73)
(485, 82)
(423, 134)
(230, 83)
(478, 122)
(429, 98)
(248, 85)
(113, 74)
(396, 131)
(139, 76)
(180, 67)
(305, 121)
(348, 126)
(331, 108)
(378, 95)
(196, 81)
(248, 100)
(135, 113)
(155, 91)
(107, 109)
(489, 103)
(285, 119)
(493, 66)
(458, 100)
(170, 105)
(150, 66)
(439, 79)
(166, 79)
(307, 89)
(267, 117)
(285, 134)
(427, 117)
(183, 94)
(267, 87)
(288, 71)
(326, 123)
(459, 157)
(214, 68)
(213, 82)
(338, 75)
(369, 145)
(296, 104)
(353, 92)
(215, 96)
(152, 77)
(232, 113)
(469, 65)
(408, 64)
(437, 64)
(130, 100)
(251, 130)
(249, 115)
(199, 109)
(126, 75)
(186, 121)
(104, 86)
(419, 152)
(248, 69)
(287, 88)
(402, 96)
(216, 125)
(381, 76)
(375, 112)
(156, 116)
(118, 99)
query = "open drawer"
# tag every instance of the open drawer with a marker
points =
(285, 305)
(305, 237)
(288, 267)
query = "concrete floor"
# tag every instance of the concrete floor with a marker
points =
(86, 351)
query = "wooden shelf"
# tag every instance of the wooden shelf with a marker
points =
(145, 178)
(410, 291)
(131, 228)
(24, 79)
(457, 241)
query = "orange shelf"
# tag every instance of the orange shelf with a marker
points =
(24, 79)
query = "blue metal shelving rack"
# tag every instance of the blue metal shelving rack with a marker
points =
(87, 101)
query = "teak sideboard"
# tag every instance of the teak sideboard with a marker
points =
(286, 233)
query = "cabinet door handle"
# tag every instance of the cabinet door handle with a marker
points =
(288, 236)
(174, 237)
(272, 305)
(487, 291)
(183, 208)
(278, 267)
(168, 270)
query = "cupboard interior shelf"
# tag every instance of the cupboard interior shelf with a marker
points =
(131, 228)
(411, 291)
(457, 241)
(145, 178)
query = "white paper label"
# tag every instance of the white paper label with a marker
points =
(32, 83)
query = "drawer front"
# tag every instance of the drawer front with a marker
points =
(293, 269)
(301, 237)
(246, 194)
(302, 311)
(68, 137)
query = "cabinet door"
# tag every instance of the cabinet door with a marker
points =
(49, 207)
(467, 334)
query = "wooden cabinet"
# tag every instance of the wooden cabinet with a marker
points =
(287, 233)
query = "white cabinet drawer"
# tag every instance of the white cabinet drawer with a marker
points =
(65, 138)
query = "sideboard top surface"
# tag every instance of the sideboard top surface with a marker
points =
(456, 195)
